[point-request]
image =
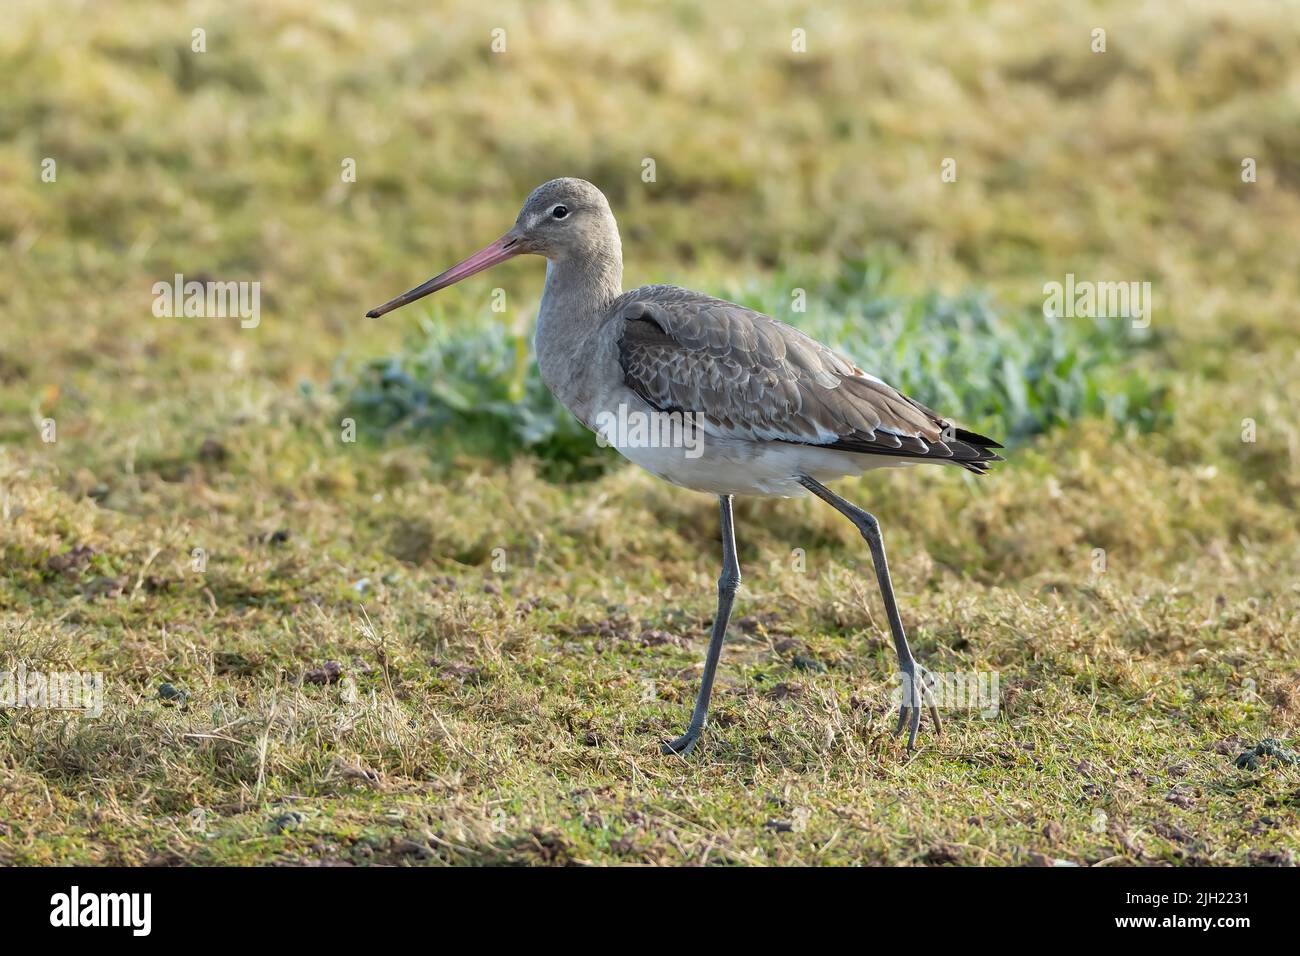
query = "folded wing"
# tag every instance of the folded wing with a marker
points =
(747, 375)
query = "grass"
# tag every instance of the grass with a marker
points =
(510, 646)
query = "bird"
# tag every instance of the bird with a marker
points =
(758, 407)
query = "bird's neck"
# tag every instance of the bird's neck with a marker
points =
(578, 294)
(580, 289)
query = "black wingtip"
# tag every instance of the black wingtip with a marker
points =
(974, 438)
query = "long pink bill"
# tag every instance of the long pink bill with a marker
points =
(507, 247)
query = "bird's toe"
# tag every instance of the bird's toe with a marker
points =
(681, 746)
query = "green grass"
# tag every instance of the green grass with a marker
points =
(492, 712)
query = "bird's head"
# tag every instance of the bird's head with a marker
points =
(561, 220)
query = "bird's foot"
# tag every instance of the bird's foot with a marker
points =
(917, 689)
(683, 745)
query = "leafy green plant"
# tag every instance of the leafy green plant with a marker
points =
(1012, 376)
(479, 391)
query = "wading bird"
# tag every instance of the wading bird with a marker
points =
(775, 412)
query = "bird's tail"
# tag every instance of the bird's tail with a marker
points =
(972, 451)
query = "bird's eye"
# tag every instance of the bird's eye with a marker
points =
(559, 212)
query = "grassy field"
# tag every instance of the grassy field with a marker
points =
(432, 645)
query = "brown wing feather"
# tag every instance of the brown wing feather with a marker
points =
(750, 376)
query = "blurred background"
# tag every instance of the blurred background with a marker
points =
(789, 148)
(793, 147)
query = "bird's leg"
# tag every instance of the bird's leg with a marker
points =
(917, 681)
(727, 584)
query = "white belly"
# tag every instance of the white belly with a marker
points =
(736, 467)
(716, 464)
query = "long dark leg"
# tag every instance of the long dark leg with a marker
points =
(727, 584)
(916, 687)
